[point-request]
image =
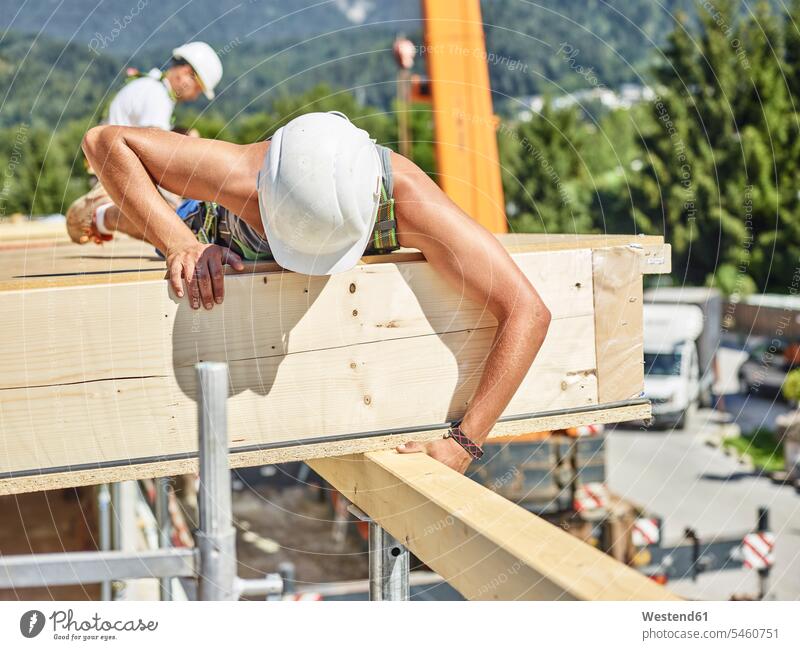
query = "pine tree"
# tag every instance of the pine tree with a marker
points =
(544, 175)
(791, 30)
(694, 186)
(766, 153)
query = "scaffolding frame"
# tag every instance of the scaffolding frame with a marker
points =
(208, 571)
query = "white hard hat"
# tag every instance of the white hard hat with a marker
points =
(318, 193)
(204, 62)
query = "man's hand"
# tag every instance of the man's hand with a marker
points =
(201, 266)
(446, 451)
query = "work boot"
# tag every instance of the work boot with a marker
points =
(81, 224)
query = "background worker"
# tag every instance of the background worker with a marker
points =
(147, 100)
(317, 194)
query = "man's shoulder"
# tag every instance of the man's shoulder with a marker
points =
(145, 85)
(144, 101)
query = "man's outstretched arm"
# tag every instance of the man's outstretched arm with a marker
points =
(476, 265)
(131, 161)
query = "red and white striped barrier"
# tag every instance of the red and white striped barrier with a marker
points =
(303, 596)
(757, 549)
(645, 532)
(590, 496)
(589, 430)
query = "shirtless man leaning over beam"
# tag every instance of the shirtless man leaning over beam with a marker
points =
(315, 197)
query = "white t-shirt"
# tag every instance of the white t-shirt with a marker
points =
(143, 102)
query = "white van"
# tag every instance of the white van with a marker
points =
(671, 365)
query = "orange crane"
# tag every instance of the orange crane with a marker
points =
(468, 165)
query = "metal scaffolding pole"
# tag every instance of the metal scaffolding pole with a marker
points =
(389, 563)
(88, 567)
(118, 587)
(388, 566)
(104, 515)
(164, 529)
(216, 536)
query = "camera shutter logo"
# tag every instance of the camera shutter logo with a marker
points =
(31, 623)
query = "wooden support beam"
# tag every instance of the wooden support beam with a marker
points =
(485, 546)
(98, 378)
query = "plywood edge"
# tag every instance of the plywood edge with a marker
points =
(299, 452)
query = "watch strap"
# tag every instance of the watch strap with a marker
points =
(469, 445)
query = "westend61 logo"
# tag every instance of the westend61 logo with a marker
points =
(67, 628)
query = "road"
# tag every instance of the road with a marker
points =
(676, 475)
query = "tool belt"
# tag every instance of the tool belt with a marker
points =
(209, 222)
(203, 219)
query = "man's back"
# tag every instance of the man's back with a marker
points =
(144, 101)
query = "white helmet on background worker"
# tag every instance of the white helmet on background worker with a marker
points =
(204, 62)
(318, 193)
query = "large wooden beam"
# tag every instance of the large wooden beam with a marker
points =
(98, 378)
(485, 546)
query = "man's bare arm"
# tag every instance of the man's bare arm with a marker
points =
(476, 265)
(130, 162)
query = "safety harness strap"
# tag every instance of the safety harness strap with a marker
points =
(384, 234)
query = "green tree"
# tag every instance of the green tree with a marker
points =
(12, 151)
(792, 48)
(719, 156)
(43, 174)
(43, 170)
(769, 151)
(545, 178)
(320, 98)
